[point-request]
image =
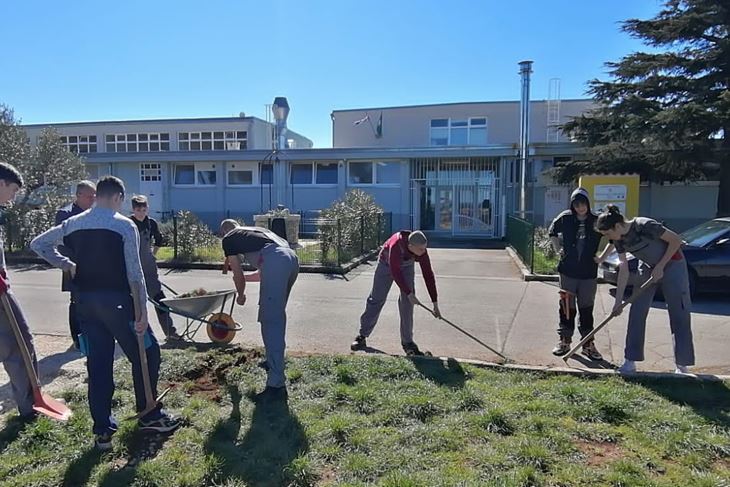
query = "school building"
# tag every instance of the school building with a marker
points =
(451, 169)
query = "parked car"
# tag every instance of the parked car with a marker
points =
(707, 253)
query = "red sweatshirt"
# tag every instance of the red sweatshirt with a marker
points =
(395, 252)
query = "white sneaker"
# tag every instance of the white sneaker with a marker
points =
(683, 370)
(629, 367)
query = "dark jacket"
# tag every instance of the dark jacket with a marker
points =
(567, 224)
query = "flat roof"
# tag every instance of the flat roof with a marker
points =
(494, 102)
(502, 150)
(151, 120)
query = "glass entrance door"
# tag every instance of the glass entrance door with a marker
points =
(444, 208)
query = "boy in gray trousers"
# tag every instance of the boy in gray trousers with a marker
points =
(278, 268)
(10, 182)
(578, 271)
(659, 251)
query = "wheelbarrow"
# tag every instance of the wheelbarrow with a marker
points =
(214, 310)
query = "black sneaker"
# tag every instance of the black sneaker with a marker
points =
(412, 350)
(103, 442)
(164, 424)
(359, 343)
(562, 347)
(272, 394)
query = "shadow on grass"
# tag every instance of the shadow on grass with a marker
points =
(707, 398)
(79, 470)
(275, 437)
(141, 447)
(12, 430)
(448, 373)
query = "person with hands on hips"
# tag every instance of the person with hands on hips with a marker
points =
(396, 264)
(111, 301)
(659, 251)
(577, 270)
(278, 268)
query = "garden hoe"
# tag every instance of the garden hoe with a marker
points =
(42, 403)
(608, 319)
(505, 359)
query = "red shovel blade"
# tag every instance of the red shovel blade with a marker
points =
(53, 408)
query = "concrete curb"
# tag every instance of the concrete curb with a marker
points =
(310, 269)
(583, 372)
(528, 276)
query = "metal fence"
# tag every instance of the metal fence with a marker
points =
(523, 236)
(321, 241)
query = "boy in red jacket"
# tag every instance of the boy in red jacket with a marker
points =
(397, 263)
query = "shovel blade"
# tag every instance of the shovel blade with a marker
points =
(48, 406)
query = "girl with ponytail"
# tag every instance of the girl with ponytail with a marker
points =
(659, 252)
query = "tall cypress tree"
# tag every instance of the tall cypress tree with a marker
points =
(665, 113)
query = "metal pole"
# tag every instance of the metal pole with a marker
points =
(525, 70)
(174, 235)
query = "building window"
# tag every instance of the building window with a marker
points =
(387, 172)
(92, 172)
(221, 140)
(148, 142)
(267, 173)
(374, 173)
(79, 144)
(196, 174)
(326, 173)
(448, 131)
(240, 175)
(150, 171)
(301, 173)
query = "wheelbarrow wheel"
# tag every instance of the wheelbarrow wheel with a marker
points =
(221, 328)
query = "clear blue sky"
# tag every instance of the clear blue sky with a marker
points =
(91, 60)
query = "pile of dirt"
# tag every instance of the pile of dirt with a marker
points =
(209, 376)
(195, 293)
(599, 453)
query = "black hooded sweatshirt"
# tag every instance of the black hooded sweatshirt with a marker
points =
(580, 240)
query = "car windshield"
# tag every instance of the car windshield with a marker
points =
(705, 233)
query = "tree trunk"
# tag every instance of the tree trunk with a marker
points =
(723, 194)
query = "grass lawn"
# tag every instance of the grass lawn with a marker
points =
(391, 422)
(543, 264)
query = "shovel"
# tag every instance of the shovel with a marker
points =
(466, 333)
(150, 402)
(611, 316)
(42, 403)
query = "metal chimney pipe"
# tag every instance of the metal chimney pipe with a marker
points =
(280, 109)
(525, 71)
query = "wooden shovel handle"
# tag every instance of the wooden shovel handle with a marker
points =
(24, 352)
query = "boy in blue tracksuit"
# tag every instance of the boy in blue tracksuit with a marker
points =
(578, 271)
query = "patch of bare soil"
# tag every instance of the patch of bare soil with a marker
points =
(207, 378)
(599, 453)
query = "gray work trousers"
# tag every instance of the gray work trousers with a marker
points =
(582, 295)
(279, 269)
(675, 288)
(12, 360)
(382, 283)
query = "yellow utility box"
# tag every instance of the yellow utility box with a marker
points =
(621, 190)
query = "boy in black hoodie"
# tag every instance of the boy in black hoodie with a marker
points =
(578, 270)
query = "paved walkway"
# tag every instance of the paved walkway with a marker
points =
(480, 290)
